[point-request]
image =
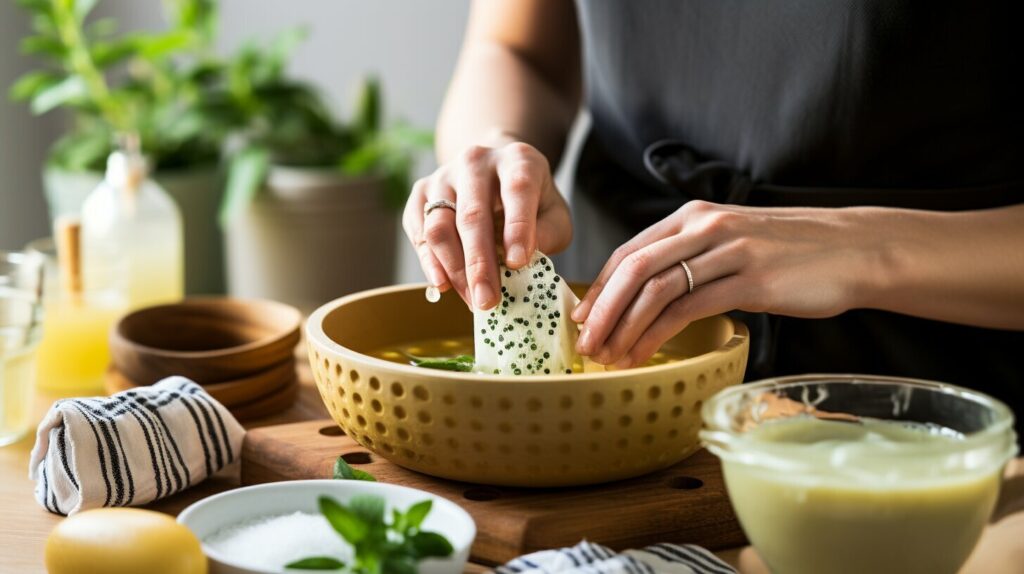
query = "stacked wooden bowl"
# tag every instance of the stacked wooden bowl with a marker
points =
(241, 351)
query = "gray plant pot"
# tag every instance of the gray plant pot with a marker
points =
(310, 236)
(197, 192)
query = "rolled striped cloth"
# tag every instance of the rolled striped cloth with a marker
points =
(131, 448)
(589, 558)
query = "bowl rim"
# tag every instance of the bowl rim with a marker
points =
(254, 491)
(117, 337)
(718, 436)
(315, 334)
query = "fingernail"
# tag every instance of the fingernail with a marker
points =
(624, 363)
(516, 256)
(435, 278)
(482, 296)
(584, 344)
(579, 314)
(601, 356)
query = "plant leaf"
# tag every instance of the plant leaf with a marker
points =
(431, 545)
(42, 45)
(370, 509)
(352, 528)
(246, 175)
(344, 471)
(417, 512)
(316, 563)
(368, 107)
(461, 363)
(156, 46)
(65, 91)
(31, 83)
(399, 565)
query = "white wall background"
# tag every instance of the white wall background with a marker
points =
(410, 44)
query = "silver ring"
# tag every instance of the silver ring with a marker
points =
(431, 206)
(689, 276)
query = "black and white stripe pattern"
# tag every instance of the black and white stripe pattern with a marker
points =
(131, 448)
(590, 558)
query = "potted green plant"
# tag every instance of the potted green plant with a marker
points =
(153, 84)
(312, 203)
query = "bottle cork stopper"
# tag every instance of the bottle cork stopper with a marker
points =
(68, 236)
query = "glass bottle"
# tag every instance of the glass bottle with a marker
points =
(132, 234)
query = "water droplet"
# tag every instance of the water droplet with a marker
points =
(433, 294)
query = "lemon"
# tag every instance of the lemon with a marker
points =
(123, 541)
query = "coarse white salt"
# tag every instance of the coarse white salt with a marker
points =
(271, 542)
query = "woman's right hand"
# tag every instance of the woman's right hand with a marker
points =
(504, 192)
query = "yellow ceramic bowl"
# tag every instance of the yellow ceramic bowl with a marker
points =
(550, 430)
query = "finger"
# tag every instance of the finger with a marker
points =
(412, 223)
(474, 220)
(659, 292)
(521, 177)
(442, 237)
(658, 231)
(626, 281)
(726, 294)
(554, 224)
(432, 268)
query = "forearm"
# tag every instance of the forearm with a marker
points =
(965, 267)
(496, 96)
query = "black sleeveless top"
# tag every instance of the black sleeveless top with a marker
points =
(816, 103)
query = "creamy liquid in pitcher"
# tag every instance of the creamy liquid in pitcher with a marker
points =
(850, 511)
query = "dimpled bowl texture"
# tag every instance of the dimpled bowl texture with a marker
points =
(537, 431)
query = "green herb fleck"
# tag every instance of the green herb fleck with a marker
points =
(343, 471)
(461, 363)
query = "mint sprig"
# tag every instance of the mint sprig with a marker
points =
(380, 547)
(343, 471)
(461, 363)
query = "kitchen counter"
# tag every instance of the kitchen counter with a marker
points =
(24, 525)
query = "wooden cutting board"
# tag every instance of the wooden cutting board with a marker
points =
(686, 503)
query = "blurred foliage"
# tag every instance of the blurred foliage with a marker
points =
(186, 103)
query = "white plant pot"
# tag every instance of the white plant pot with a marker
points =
(198, 193)
(310, 236)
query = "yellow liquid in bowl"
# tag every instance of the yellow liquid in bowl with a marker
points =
(889, 514)
(456, 346)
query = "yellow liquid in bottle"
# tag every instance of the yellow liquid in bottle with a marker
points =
(74, 353)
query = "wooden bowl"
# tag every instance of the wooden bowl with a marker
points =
(207, 339)
(228, 393)
(542, 430)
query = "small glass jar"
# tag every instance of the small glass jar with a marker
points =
(846, 473)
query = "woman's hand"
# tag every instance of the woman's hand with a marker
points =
(504, 193)
(800, 262)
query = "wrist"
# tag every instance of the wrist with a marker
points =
(886, 254)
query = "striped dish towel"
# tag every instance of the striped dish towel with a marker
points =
(590, 558)
(132, 447)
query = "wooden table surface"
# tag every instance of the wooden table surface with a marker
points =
(24, 525)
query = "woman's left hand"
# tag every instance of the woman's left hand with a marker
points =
(802, 262)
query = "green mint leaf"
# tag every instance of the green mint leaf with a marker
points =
(344, 471)
(316, 563)
(431, 545)
(399, 565)
(399, 522)
(417, 512)
(352, 528)
(363, 475)
(370, 509)
(462, 363)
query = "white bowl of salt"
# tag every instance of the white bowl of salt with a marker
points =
(260, 529)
